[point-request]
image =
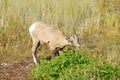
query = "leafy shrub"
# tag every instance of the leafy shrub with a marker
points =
(74, 66)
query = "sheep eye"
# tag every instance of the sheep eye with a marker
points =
(71, 41)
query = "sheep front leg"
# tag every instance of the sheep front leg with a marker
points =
(53, 54)
(56, 52)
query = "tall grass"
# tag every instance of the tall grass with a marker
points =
(95, 21)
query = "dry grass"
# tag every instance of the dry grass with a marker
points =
(96, 22)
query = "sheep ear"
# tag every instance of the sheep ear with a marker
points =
(75, 36)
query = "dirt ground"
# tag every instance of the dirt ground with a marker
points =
(17, 71)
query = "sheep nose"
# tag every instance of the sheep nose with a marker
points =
(78, 46)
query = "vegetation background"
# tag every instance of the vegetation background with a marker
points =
(96, 22)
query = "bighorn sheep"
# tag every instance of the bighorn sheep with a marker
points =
(42, 33)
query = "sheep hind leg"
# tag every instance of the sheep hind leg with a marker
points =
(34, 49)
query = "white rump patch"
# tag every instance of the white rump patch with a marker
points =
(32, 27)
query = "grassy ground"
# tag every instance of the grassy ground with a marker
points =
(75, 66)
(97, 23)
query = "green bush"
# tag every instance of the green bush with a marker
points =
(74, 66)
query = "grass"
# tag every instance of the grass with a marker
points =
(97, 24)
(75, 66)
